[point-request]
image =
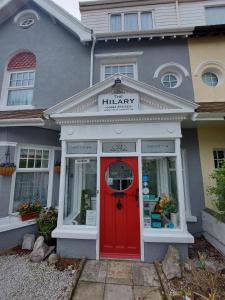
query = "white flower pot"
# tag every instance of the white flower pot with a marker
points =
(174, 219)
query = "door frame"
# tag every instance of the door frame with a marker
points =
(135, 157)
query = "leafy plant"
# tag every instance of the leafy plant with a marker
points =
(170, 207)
(218, 191)
(201, 260)
(28, 207)
(85, 204)
(47, 221)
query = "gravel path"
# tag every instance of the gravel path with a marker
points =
(20, 279)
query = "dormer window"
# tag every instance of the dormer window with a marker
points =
(131, 21)
(19, 80)
(215, 15)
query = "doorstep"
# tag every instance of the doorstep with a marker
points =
(173, 236)
(69, 232)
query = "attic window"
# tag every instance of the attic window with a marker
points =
(26, 18)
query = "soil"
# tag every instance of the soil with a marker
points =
(201, 283)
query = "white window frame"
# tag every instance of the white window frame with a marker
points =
(214, 160)
(49, 170)
(103, 66)
(131, 12)
(211, 6)
(6, 88)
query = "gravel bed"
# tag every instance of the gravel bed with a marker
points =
(21, 279)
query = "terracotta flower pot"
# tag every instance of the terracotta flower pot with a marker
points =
(7, 171)
(57, 169)
(29, 216)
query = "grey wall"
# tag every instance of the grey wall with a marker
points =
(63, 63)
(190, 143)
(13, 238)
(157, 251)
(155, 53)
(76, 248)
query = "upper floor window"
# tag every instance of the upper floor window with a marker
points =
(131, 21)
(20, 79)
(124, 69)
(215, 15)
(219, 156)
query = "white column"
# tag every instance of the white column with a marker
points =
(62, 185)
(180, 186)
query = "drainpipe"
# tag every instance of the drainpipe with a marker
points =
(92, 59)
(178, 12)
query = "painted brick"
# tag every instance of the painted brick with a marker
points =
(24, 60)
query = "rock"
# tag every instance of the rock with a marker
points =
(40, 250)
(28, 241)
(171, 263)
(53, 259)
(188, 266)
(214, 266)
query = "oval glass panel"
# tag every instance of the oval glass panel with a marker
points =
(119, 176)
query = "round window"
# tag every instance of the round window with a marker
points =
(170, 81)
(26, 23)
(210, 79)
(119, 176)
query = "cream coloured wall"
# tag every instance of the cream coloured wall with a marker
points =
(210, 138)
(207, 53)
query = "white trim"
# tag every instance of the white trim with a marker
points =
(62, 186)
(98, 199)
(16, 107)
(71, 232)
(170, 67)
(211, 63)
(9, 225)
(50, 177)
(120, 63)
(13, 182)
(22, 122)
(118, 54)
(5, 143)
(168, 237)
(176, 75)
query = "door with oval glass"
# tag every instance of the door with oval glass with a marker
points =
(119, 208)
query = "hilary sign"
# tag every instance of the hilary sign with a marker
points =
(118, 102)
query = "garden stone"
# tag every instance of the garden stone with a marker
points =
(40, 250)
(28, 241)
(53, 259)
(171, 263)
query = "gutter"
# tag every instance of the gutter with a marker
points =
(22, 122)
(92, 60)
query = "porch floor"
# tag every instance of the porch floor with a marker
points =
(124, 280)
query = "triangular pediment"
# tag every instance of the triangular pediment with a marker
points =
(121, 95)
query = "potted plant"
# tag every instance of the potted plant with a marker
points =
(7, 169)
(169, 208)
(47, 222)
(57, 167)
(29, 211)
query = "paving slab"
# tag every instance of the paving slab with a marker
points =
(119, 273)
(94, 271)
(145, 274)
(118, 292)
(89, 290)
(147, 293)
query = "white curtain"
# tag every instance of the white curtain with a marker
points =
(115, 25)
(20, 97)
(215, 15)
(130, 22)
(146, 21)
(30, 187)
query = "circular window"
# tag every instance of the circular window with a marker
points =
(210, 78)
(26, 22)
(119, 176)
(170, 81)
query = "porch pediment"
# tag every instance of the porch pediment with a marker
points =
(121, 96)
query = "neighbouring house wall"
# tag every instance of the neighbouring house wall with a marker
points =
(189, 142)
(207, 52)
(210, 138)
(63, 62)
(155, 54)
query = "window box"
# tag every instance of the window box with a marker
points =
(30, 216)
(7, 170)
(57, 169)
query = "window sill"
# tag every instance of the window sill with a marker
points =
(16, 107)
(168, 236)
(71, 232)
(13, 222)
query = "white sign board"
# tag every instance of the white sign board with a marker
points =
(91, 217)
(118, 102)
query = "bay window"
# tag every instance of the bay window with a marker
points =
(32, 176)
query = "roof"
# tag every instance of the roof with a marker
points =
(9, 7)
(206, 107)
(22, 114)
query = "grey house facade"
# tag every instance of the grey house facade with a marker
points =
(105, 106)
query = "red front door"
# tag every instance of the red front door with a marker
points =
(119, 213)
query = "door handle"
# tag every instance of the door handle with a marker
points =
(119, 205)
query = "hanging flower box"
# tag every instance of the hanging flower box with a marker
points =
(7, 169)
(29, 211)
(57, 167)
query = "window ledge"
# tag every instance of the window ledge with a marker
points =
(16, 107)
(71, 232)
(177, 236)
(191, 219)
(13, 222)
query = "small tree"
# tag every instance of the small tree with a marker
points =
(218, 190)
